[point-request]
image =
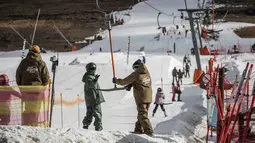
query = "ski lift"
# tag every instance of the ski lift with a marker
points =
(177, 26)
(159, 27)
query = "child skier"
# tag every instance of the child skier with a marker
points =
(5, 99)
(159, 100)
(176, 89)
(93, 98)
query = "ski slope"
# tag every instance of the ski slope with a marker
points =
(186, 121)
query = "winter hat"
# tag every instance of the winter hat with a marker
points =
(36, 49)
(137, 64)
(4, 79)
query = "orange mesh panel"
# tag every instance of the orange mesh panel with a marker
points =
(24, 105)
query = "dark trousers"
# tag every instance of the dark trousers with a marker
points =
(175, 77)
(180, 80)
(156, 108)
(96, 112)
(187, 73)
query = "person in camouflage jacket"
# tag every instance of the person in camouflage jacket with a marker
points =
(93, 98)
(141, 81)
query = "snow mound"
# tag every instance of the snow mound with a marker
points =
(20, 134)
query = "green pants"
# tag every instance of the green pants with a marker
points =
(143, 123)
(96, 112)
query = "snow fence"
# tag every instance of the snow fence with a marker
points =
(24, 105)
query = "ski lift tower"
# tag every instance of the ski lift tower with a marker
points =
(193, 33)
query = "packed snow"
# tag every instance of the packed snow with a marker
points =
(186, 121)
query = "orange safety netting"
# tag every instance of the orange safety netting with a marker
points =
(24, 105)
(68, 103)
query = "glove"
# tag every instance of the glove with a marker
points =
(97, 76)
(114, 79)
(128, 87)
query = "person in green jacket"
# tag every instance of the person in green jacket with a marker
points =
(32, 71)
(93, 98)
(141, 81)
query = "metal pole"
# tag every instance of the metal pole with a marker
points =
(193, 33)
(174, 47)
(128, 49)
(200, 39)
(56, 28)
(110, 38)
(20, 35)
(32, 42)
(221, 87)
(186, 4)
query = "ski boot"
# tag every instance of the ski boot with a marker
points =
(165, 114)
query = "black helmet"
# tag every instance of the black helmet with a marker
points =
(159, 89)
(91, 67)
(137, 64)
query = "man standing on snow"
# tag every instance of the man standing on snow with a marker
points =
(184, 60)
(188, 60)
(94, 98)
(180, 76)
(141, 81)
(187, 68)
(174, 74)
(32, 71)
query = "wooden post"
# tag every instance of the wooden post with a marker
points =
(78, 110)
(61, 99)
(221, 87)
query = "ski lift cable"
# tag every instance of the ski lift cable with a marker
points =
(171, 15)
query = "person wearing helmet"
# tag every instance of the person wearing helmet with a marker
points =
(159, 100)
(32, 71)
(140, 79)
(6, 93)
(93, 98)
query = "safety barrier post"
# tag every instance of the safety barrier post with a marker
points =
(61, 104)
(78, 110)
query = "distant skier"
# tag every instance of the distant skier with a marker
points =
(180, 76)
(159, 101)
(174, 74)
(5, 99)
(140, 79)
(184, 60)
(188, 60)
(164, 30)
(93, 97)
(187, 69)
(176, 89)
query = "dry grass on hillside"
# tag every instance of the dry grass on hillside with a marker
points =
(246, 32)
